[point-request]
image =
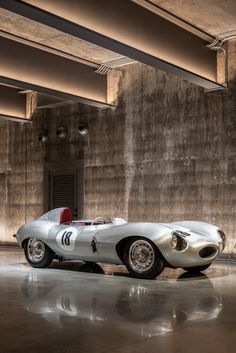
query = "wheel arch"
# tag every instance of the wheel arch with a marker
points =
(120, 246)
(26, 240)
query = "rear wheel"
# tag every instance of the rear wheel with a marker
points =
(196, 269)
(143, 259)
(37, 253)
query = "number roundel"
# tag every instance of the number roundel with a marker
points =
(66, 238)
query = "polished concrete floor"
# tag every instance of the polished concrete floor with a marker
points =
(87, 309)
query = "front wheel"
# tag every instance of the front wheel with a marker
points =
(196, 269)
(143, 259)
(37, 253)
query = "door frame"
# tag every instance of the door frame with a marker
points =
(77, 165)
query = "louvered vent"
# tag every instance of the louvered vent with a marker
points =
(63, 191)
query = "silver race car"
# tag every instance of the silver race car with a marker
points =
(145, 248)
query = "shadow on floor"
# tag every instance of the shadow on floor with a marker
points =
(120, 271)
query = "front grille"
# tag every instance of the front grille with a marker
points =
(208, 251)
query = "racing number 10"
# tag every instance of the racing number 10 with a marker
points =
(65, 239)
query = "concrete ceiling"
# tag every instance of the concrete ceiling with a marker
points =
(47, 36)
(95, 33)
(211, 16)
(126, 28)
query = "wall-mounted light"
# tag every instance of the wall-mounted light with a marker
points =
(62, 132)
(43, 136)
(83, 129)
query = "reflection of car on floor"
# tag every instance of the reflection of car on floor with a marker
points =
(147, 309)
(145, 248)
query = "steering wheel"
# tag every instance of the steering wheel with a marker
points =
(104, 219)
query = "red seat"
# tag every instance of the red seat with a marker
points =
(66, 216)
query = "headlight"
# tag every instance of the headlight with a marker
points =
(174, 241)
(177, 242)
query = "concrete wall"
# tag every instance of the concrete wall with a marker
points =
(166, 152)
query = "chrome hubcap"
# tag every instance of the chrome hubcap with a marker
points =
(35, 250)
(141, 256)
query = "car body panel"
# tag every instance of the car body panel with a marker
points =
(99, 243)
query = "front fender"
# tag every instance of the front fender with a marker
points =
(109, 240)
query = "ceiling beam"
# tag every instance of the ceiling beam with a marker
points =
(47, 48)
(15, 119)
(129, 29)
(12, 104)
(33, 69)
(18, 105)
(157, 9)
(48, 102)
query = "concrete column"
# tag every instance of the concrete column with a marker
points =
(221, 67)
(231, 61)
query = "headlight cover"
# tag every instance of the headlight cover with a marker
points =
(174, 241)
(177, 242)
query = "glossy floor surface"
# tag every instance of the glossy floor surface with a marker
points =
(73, 308)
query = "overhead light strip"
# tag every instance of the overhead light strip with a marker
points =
(48, 49)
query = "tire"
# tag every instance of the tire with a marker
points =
(196, 269)
(43, 256)
(142, 258)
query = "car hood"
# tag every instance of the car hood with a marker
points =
(195, 233)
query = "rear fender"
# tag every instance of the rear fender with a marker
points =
(38, 229)
(41, 227)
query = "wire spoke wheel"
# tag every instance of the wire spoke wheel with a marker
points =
(35, 250)
(141, 256)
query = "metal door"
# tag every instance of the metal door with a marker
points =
(63, 190)
(64, 186)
